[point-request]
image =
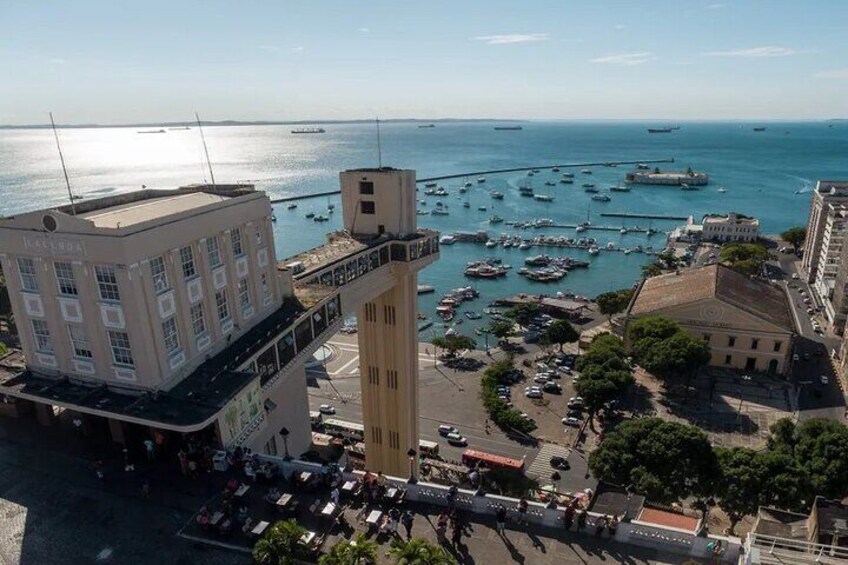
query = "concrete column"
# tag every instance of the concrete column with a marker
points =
(388, 366)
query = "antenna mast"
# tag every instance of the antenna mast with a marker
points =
(379, 147)
(64, 170)
(205, 149)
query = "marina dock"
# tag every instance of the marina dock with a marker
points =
(642, 216)
(489, 172)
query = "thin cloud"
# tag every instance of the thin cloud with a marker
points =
(838, 74)
(58, 61)
(715, 6)
(628, 59)
(270, 48)
(620, 26)
(512, 38)
(364, 30)
(766, 51)
(298, 49)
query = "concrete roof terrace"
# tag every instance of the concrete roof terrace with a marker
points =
(131, 213)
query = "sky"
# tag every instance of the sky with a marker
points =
(116, 61)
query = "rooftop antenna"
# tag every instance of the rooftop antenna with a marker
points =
(379, 147)
(64, 170)
(205, 149)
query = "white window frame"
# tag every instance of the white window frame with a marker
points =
(236, 242)
(222, 306)
(79, 342)
(244, 293)
(260, 239)
(263, 282)
(159, 274)
(107, 283)
(66, 282)
(28, 275)
(213, 250)
(187, 265)
(171, 335)
(41, 332)
(198, 319)
(119, 344)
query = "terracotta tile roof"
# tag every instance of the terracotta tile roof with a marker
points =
(669, 519)
(714, 281)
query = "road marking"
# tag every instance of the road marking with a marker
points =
(541, 465)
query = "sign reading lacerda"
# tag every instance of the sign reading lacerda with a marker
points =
(55, 245)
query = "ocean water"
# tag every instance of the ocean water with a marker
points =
(766, 174)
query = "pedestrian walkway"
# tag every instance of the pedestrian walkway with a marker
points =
(541, 468)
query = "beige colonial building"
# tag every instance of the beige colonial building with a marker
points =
(732, 227)
(167, 310)
(748, 323)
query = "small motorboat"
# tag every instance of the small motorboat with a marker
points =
(497, 195)
(481, 179)
(291, 206)
(310, 215)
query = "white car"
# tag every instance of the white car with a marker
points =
(824, 380)
(795, 276)
(327, 409)
(456, 439)
(445, 430)
(571, 421)
(541, 378)
(533, 392)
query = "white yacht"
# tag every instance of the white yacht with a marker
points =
(447, 240)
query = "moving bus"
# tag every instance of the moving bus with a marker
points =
(348, 430)
(472, 458)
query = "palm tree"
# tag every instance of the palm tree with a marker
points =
(418, 551)
(281, 545)
(346, 553)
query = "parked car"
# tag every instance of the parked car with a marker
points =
(327, 409)
(575, 402)
(575, 413)
(571, 421)
(541, 378)
(552, 387)
(445, 430)
(533, 392)
(796, 357)
(824, 380)
(456, 439)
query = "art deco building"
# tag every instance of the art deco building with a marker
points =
(826, 193)
(166, 310)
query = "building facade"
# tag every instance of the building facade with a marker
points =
(747, 323)
(732, 227)
(826, 193)
(166, 310)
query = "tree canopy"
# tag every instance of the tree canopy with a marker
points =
(610, 303)
(501, 329)
(746, 258)
(419, 551)
(665, 461)
(604, 373)
(362, 552)
(794, 236)
(501, 414)
(561, 332)
(281, 545)
(663, 348)
(453, 343)
(524, 313)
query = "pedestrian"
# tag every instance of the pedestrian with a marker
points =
(98, 471)
(612, 526)
(145, 488)
(500, 519)
(456, 533)
(451, 496)
(183, 459)
(334, 495)
(522, 510)
(488, 427)
(128, 464)
(394, 517)
(407, 520)
(600, 525)
(77, 421)
(441, 527)
(150, 449)
(581, 520)
(568, 517)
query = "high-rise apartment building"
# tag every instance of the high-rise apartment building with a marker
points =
(826, 193)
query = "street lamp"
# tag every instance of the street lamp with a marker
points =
(285, 433)
(629, 489)
(411, 454)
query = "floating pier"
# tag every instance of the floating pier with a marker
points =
(642, 216)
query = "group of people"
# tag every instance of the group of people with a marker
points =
(450, 520)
